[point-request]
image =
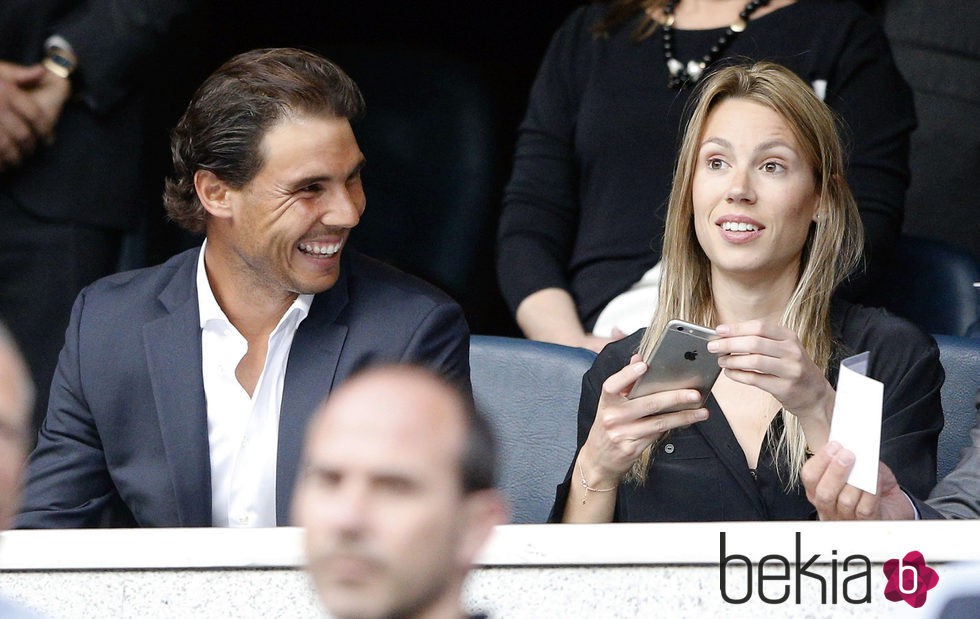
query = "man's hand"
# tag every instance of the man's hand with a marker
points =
(21, 118)
(825, 479)
(51, 93)
(31, 100)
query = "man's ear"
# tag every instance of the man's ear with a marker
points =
(483, 510)
(213, 193)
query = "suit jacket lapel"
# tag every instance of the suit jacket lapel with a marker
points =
(719, 435)
(173, 350)
(310, 372)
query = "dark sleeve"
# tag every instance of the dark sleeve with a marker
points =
(609, 361)
(926, 512)
(912, 418)
(114, 41)
(539, 220)
(958, 494)
(875, 104)
(67, 484)
(442, 342)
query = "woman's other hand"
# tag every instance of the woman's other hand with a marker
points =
(770, 357)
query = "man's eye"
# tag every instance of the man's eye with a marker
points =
(324, 479)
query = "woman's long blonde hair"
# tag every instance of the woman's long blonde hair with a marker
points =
(832, 249)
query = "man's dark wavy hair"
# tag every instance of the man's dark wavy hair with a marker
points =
(233, 109)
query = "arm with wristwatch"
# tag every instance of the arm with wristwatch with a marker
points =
(95, 56)
(31, 100)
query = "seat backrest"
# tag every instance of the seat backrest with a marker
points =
(931, 283)
(960, 357)
(529, 391)
(936, 45)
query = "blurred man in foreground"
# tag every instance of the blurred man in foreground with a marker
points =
(16, 400)
(397, 495)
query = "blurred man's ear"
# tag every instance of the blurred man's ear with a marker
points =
(482, 510)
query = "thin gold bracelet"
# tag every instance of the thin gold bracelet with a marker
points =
(589, 488)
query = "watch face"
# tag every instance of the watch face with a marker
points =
(59, 62)
(62, 61)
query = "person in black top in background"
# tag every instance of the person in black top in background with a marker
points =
(760, 230)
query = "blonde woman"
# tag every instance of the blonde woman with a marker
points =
(760, 229)
(583, 214)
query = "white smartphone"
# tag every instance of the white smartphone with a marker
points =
(680, 360)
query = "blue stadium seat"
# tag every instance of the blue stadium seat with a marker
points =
(960, 357)
(529, 391)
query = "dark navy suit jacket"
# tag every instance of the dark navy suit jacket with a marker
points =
(125, 440)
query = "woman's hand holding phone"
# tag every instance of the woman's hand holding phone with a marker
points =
(624, 427)
(625, 424)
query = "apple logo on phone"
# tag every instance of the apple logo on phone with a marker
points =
(691, 355)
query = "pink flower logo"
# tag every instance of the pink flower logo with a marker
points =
(909, 579)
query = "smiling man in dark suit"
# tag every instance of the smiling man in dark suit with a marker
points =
(183, 390)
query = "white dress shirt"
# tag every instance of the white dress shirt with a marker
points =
(243, 431)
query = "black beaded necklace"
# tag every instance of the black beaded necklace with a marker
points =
(682, 75)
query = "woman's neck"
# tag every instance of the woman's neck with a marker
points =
(739, 300)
